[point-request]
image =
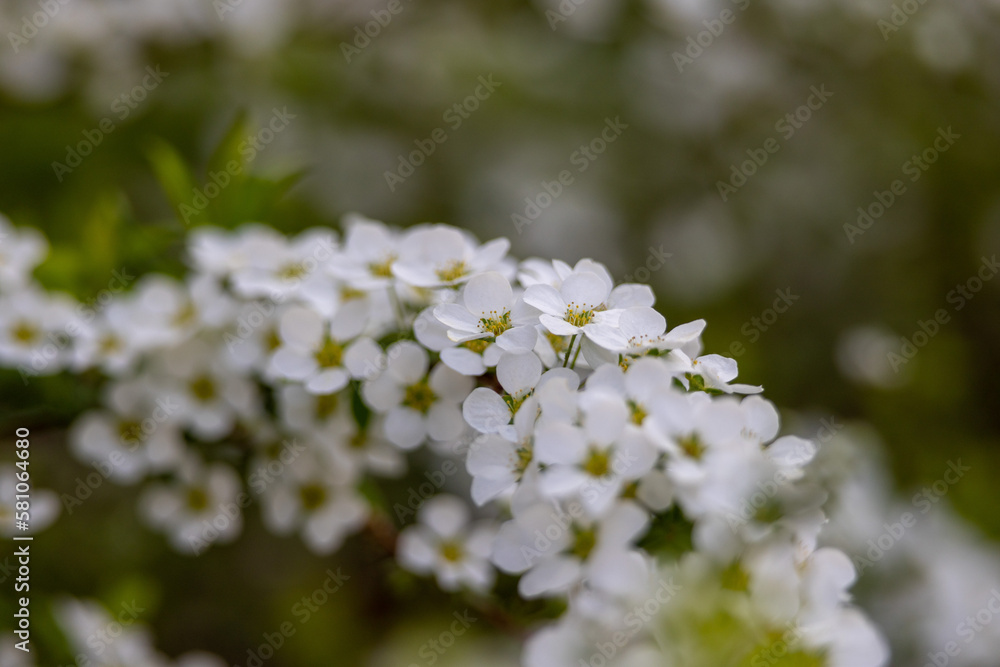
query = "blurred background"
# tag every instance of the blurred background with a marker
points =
(818, 180)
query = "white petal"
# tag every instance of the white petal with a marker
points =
(557, 325)
(457, 317)
(559, 443)
(488, 295)
(446, 515)
(405, 427)
(518, 339)
(485, 410)
(328, 381)
(630, 295)
(546, 299)
(606, 336)
(519, 373)
(550, 576)
(464, 361)
(583, 291)
(301, 326)
(408, 362)
(444, 421)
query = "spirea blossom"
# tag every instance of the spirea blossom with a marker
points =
(605, 451)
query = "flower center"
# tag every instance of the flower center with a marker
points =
(292, 271)
(691, 445)
(129, 430)
(330, 354)
(25, 332)
(584, 541)
(598, 463)
(382, 269)
(495, 324)
(578, 316)
(272, 341)
(735, 578)
(478, 345)
(419, 396)
(186, 315)
(197, 499)
(326, 405)
(109, 343)
(452, 270)
(451, 551)
(202, 388)
(524, 456)
(638, 413)
(514, 402)
(312, 495)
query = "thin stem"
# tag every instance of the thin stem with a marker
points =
(397, 306)
(577, 355)
(568, 350)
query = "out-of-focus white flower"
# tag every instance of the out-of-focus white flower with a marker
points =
(446, 544)
(324, 355)
(43, 505)
(438, 255)
(556, 548)
(315, 499)
(417, 404)
(21, 250)
(197, 508)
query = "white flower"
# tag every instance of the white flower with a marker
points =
(315, 499)
(197, 508)
(497, 463)
(558, 549)
(36, 331)
(580, 305)
(487, 411)
(290, 269)
(213, 396)
(438, 255)
(324, 356)
(417, 405)
(43, 505)
(369, 251)
(445, 544)
(21, 250)
(490, 312)
(139, 434)
(592, 461)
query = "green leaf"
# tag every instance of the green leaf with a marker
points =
(176, 180)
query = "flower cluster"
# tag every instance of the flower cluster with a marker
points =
(619, 469)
